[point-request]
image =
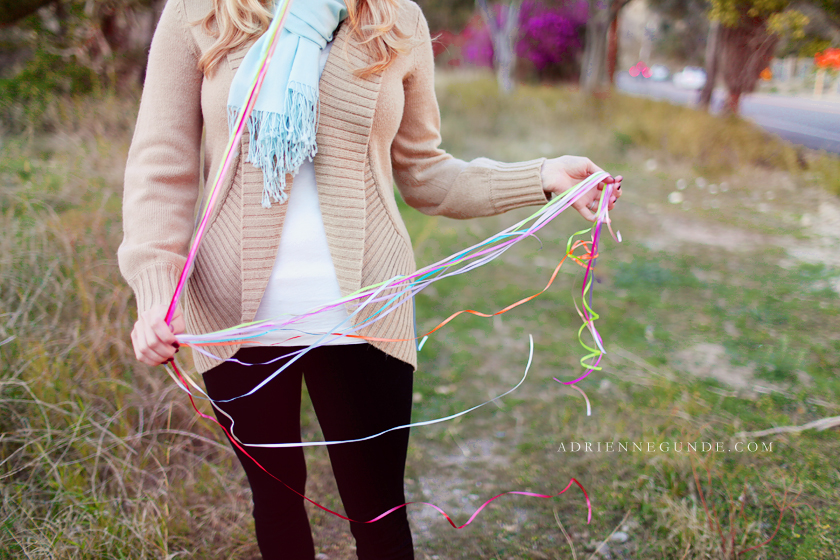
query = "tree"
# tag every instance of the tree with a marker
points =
(549, 37)
(694, 34)
(712, 65)
(594, 72)
(503, 31)
(91, 41)
(749, 33)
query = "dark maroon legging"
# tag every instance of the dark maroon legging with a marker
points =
(356, 390)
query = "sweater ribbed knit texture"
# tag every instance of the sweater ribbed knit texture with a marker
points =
(373, 131)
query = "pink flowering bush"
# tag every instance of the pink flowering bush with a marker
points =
(550, 37)
(476, 45)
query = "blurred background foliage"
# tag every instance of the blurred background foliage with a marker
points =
(73, 48)
(69, 48)
(449, 15)
(682, 32)
(549, 43)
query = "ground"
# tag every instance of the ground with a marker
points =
(719, 313)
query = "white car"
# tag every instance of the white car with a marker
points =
(691, 77)
(659, 73)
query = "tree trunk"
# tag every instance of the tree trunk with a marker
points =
(503, 36)
(13, 10)
(712, 65)
(733, 101)
(746, 50)
(594, 69)
(612, 51)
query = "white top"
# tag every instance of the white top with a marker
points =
(303, 276)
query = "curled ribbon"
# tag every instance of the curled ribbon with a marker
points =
(181, 381)
(405, 287)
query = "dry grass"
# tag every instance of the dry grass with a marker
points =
(102, 458)
(561, 120)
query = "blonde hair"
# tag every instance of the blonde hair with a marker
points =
(373, 24)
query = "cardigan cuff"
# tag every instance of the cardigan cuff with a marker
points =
(514, 185)
(154, 285)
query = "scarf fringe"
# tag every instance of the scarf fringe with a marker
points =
(281, 142)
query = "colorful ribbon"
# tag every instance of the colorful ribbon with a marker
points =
(397, 291)
(392, 293)
(396, 508)
(273, 32)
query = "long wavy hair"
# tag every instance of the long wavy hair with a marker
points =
(236, 22)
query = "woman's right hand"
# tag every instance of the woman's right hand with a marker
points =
(562, 173)
(154, 340)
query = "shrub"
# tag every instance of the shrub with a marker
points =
(550, 38)
(25, 97)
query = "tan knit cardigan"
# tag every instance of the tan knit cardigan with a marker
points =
(373, 132)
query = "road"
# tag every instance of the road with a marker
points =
(814, 123)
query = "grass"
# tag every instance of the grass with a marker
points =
(101, 457)
(718, 314)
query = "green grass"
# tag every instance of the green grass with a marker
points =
(718, 315)
(657, 305)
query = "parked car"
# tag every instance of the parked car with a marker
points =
(659, 73)
(691, 77)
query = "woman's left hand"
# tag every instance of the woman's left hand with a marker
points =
(562, 173)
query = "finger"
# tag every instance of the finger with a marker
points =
(144, 354)
(178, 325)
(153, 358)
(591, 167)
(141, 347)
(156, 350)
(163, 332)
(135, 343)
(616, 188)
(585, 212)
(587, 215)
(609, 181)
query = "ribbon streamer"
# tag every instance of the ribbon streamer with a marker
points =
(401, 288)
(324, 443)
(396, 508)
(459, 263)
(282, 10)
(579, 390)
(390, 294)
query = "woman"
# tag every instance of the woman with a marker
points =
(379, 123)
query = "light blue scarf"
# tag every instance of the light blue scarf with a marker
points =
(285, 117)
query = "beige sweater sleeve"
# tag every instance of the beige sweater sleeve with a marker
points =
(162, 171)
(433, 181)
